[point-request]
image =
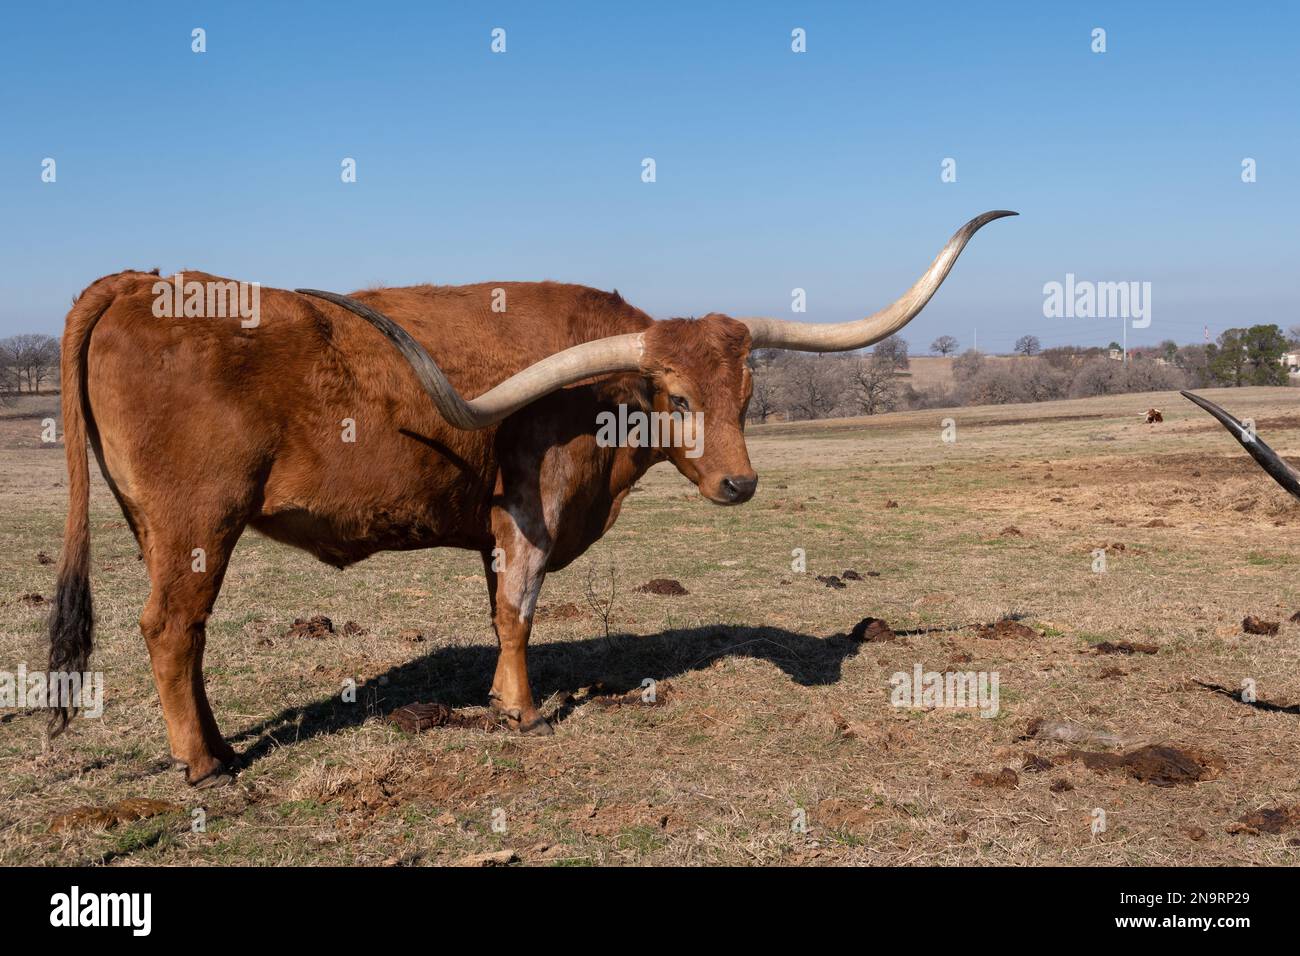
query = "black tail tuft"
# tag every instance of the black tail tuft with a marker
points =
(72, 624)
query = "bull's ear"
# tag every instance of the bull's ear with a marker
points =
(1268, 459)
(634, 391)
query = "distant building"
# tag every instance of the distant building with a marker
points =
(1292, 362)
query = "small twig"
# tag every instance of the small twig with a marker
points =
(602, 606)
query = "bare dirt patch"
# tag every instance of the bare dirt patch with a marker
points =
(1268, 820)
(1158, 764)
(1254, 625)
(613, 819)
(1125, 647)
(564, 611)
(666, 586)
(1004, 779)
(850, 816)
(315, 627)
(414, 718)
(1005, 629)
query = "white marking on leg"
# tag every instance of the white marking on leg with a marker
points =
(526, 568)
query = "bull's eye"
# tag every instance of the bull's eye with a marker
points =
(680, 403)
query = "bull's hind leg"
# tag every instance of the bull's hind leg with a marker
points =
(186, 574)
(515, 571)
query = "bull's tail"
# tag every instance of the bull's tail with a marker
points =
(72, 621)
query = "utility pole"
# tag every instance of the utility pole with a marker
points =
(977, 338)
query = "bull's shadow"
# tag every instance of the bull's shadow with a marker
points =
(461, 675)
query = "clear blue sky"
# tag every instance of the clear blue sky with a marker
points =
(775, 170)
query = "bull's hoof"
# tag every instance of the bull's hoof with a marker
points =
(214, 780)
(537, 727)
(513, 719)
(221, 774)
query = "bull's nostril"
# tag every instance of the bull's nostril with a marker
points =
(738, 487)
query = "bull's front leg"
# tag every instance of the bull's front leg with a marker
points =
(515, 571)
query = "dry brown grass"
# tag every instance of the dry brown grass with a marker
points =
(925, 372)
(772, 709)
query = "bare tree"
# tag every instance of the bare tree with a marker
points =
(811, 389)
(872, 385)
(893, 350)
(1097, 376)
(993, 385)
(1028, 345)
(765, 358)
(31, 357)
(967, 365)
(1195, 363)
(1041, 382)
(945, 345)
(763, 401)
(8, 378)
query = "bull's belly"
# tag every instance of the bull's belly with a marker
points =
(343, 540)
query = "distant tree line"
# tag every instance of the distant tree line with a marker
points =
(28, 363)
(795, 386)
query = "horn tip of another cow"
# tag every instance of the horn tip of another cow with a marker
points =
(1198, 400)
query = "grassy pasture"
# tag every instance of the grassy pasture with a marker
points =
(770, 712)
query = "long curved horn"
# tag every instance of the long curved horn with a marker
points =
(1268, 459)
(846, 336)
(617, 353)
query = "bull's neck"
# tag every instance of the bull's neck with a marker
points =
(627, 463)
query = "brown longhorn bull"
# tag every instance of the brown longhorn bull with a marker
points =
(203, 427)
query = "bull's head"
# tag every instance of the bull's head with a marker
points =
(1268, 459)
(694, 368)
